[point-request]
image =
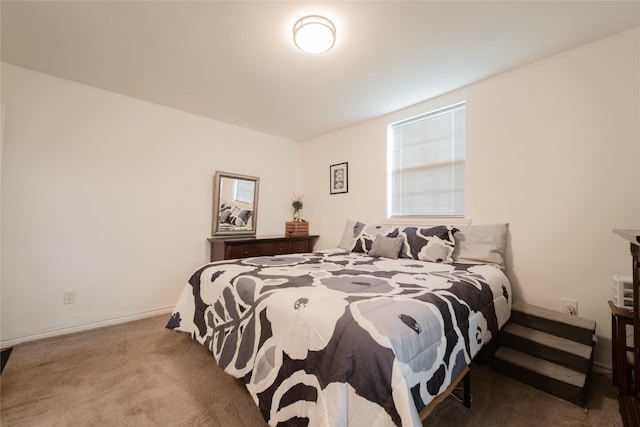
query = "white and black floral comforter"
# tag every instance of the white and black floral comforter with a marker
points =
(338, 338)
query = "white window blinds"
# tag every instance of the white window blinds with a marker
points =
(426, 164)
(243, 191)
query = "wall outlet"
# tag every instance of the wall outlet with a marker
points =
(69, 297)
(569, 306)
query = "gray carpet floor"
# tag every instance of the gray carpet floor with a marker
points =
(140, 374)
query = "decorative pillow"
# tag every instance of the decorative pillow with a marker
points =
(364, 235)
(481, 244)
(433, 244)
(224, 216)
(387, 247)
(346, 241)
(239, 217)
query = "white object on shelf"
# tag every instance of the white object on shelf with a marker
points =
(622, 291)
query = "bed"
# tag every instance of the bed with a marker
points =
(366, 334)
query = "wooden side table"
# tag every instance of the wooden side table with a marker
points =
(620, 318)
(629, 398)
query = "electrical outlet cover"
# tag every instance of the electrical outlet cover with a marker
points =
(69, 297)
(569, 306)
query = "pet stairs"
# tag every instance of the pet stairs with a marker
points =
(548, 350)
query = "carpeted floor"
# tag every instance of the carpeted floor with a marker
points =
(140, 374)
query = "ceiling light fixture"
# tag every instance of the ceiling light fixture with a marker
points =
(314, 34)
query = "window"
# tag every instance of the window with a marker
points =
(243, 191)
(426, 164)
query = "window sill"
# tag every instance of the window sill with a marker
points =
(426, 220)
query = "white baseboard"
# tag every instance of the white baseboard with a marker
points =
(10, 342)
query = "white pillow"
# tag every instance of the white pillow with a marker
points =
(346, 241)
(484, 244)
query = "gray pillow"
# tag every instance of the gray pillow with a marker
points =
(239, 217)
(484, 244)
(387, 247)
(224, 216)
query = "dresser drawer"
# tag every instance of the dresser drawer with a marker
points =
(300, 247)
(231, 248)
(259, 249)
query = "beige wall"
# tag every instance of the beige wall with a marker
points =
(553, 149)
(111, 197)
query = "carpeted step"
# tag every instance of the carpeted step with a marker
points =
(555, 349)
(554, 322)
(549, 350)
(554, 379)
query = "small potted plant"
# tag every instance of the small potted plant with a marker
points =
(297, 206)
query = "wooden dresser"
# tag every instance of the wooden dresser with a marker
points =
(250, 246)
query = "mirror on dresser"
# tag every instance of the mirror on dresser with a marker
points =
(235, 204)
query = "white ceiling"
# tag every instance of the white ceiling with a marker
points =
(235, 61)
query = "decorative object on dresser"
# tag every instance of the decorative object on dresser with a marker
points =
(628, 385)
(244, 247)
(297, 206)
(235, 204)
(296, 228)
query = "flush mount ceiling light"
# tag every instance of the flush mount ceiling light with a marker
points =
(314, 34)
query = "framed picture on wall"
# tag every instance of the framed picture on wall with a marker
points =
(339, 178)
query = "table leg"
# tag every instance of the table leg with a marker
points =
(614, 349)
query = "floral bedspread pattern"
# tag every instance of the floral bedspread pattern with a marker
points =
(338, 338)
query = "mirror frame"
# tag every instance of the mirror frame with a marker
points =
(217, 186)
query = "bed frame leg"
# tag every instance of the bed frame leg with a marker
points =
(465, 378)
(467, 390)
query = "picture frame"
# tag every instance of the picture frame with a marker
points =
(339, 178)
